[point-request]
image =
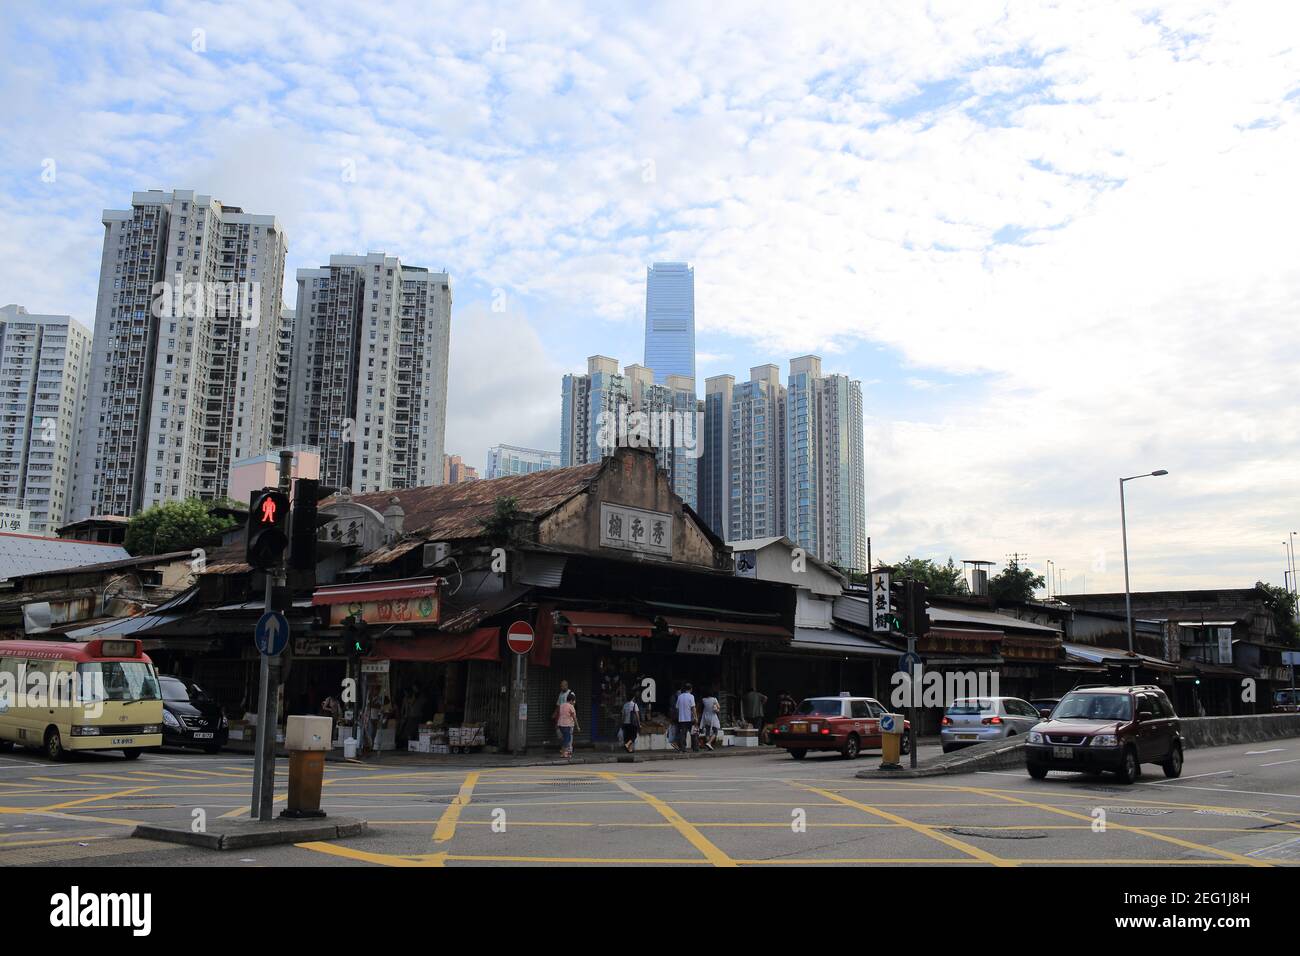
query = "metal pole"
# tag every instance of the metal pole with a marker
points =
(269, 687)
(911, 706)
(1296, 613)
(263, 683)
(518, 705)
(1128, 600)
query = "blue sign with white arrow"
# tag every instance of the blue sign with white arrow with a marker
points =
(271, 633)
(908, 661)
(887, 723)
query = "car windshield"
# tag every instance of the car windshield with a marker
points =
(118, 680)
(1286, 697)
(1094, 707)
(173, 689)
(820, 707)
(973, 706)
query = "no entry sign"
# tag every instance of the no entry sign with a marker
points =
(519, 637)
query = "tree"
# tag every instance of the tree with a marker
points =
(1281, 603)
(1014, 584)
(175, 526)
(501, 527)
(938, 579)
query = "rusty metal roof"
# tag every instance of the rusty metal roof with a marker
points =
(452, 512)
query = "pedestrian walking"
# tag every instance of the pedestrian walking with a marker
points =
(710, 721)
(567, 721)
(631, 721)
(687, 713)
(755, 705)
(560, 701)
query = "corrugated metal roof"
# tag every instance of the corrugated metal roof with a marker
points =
(22, 554)
(452, 512)
(988, 619)
(837, 641)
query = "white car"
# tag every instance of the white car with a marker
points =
(974, 720)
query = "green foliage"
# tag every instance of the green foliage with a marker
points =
(939, 579)
(1281, 603)
(175, 526)
(1014, 584)
(500, 526)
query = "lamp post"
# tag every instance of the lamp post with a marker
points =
(1049, 579)
(1128, 599)
(1294, 592)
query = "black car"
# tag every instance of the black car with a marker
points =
(190, 717)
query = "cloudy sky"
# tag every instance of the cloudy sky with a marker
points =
(1055, 242)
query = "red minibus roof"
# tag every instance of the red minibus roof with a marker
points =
(100, 649)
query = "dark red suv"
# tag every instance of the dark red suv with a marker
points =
(1108, 728)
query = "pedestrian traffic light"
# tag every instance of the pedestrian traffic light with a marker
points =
(356, 635)
(306, 522)
(268, 528)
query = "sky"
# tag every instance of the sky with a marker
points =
(1054, 241)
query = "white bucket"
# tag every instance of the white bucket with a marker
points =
(350, 748)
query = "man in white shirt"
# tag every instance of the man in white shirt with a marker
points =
(686, 716)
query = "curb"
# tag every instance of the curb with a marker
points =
(994, 755)
(247, 834)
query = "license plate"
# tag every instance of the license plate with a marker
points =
(1066, 752)
(798, 728)
(968, 736)
(118, 741)
(202, 736)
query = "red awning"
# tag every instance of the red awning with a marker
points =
(483, 644)
(730, 630)
(607, 624)
(375, 591)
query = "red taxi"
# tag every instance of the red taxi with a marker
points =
(847, 724)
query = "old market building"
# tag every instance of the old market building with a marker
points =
(623, 584)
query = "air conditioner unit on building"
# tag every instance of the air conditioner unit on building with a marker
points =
(436, 552)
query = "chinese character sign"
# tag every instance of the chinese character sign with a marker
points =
(881, 614)
(634, 529)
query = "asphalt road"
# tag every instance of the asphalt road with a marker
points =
(1234, 806)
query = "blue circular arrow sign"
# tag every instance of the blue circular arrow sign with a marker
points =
(271, 633)
(907, 661)
(887, 723)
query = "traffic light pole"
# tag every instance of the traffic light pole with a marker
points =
(269, 687)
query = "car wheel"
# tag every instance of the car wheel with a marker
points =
(949, 748)
(905, 745)
(1173, 767)
(850, 750)
(1036, 771)
(132, 754)
(54, 745)
(6, 746)
(798, 753)
(1129, 770)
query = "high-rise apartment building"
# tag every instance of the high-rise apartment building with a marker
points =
(456, 472)
(44, 373)
(604, 409)
(825, 469)
(370, 342)
(506, 460)
(786, 460)
(186, 337)
(282, 382)
(670, 320)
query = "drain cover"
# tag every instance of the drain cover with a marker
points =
(1102, 789)
(997, 834)
(1138, 811)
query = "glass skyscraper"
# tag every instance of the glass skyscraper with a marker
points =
(670, 320)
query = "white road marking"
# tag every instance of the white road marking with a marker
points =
(1278, 763)
(998, 773)
(1273, 750)
(1253, 793)
(1192, 776)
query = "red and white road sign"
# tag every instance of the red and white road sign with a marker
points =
(519, 637)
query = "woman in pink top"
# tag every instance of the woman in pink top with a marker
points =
(567, 721)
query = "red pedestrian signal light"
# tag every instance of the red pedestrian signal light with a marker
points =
(268, 528)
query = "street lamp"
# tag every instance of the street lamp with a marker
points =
(1128, 600)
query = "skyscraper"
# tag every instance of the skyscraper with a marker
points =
(604, 409)
(670, 320)
(369, 382)
(786, 461)
(825, 469)
(44, 373)
(186, 331)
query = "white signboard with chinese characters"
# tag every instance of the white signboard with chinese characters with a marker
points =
(14, 520)
(633, 529)
(1225, 645)
(563, 642)
(625, 645)
(881, 614)
(700, 645)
